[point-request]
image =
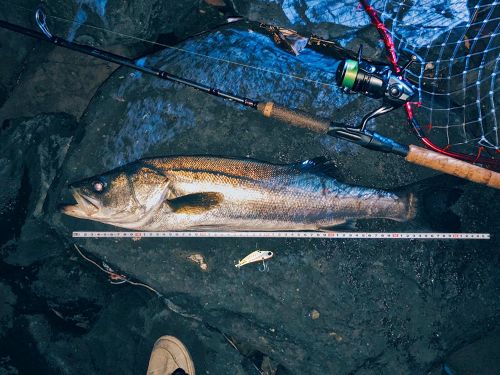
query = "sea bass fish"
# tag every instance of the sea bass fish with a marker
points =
(182, 193)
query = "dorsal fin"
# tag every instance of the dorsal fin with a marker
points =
(319, 165)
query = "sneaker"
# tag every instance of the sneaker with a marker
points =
(170, 356)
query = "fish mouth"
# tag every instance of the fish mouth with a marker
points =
(84, 208)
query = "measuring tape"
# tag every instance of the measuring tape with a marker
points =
(328, 235)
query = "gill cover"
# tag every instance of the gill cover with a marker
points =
(123, 195)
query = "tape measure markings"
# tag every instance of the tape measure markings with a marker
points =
(331, 235)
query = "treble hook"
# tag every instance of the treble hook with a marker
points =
(41, 18)
(264, 268)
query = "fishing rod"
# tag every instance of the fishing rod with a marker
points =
(352, 75)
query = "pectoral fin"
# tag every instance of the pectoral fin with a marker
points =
(195, 203)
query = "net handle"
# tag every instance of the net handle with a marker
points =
(446, 164)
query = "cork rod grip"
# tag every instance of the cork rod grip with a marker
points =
(446, 164)
(293, 117)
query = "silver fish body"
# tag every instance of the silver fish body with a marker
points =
(210, 193)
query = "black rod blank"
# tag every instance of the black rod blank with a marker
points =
(124, 61)
(297, 118)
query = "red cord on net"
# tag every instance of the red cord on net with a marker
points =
(393, 58)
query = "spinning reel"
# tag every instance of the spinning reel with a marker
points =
(377, 82)
(354, 74)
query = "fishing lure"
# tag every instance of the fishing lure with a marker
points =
(256, 256)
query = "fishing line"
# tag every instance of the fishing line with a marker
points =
(118, 279)
(197, 54)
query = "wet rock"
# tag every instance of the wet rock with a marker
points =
(68, 315)
(159, 117)
(268, 367)
(91, 21)
(306, 15)
(7, 302)
(6, 368)
(38, 77)
(146, 322)
(14, 50)
(31, 153)
(417, 25)
(55, 80)
(392, 306)
(477, 357)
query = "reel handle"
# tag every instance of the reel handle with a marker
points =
(442, 163)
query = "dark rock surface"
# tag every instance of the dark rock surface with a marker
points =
(382, 305)
(45, 76)
(325, 306)
(32, 152)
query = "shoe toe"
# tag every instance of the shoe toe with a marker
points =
(168, 355)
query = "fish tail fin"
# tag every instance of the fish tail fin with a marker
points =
(430, 202)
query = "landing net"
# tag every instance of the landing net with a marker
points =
(457, 45)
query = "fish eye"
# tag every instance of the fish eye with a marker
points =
(269, 253)
(98, 186)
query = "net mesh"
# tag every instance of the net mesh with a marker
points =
(457, 45)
